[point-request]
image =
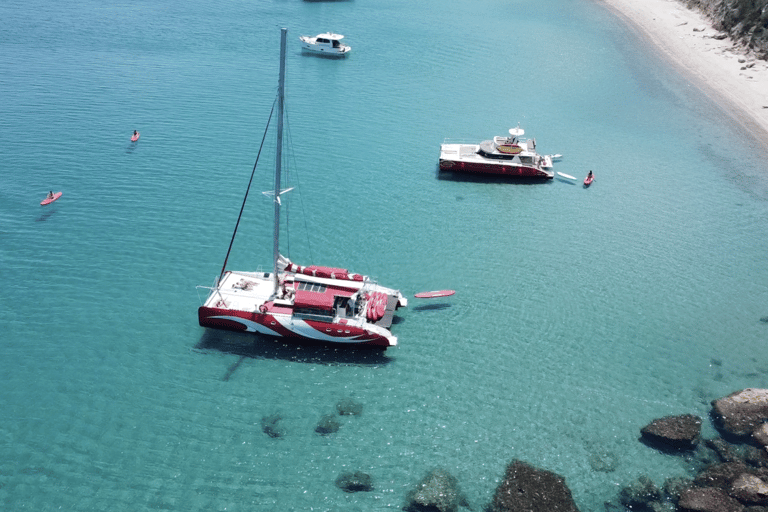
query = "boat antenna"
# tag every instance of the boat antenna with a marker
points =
(232, 241)
(279, 154)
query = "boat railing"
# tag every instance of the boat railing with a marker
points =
(212, 289)
(496, 139)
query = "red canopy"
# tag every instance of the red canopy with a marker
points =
(307, 299)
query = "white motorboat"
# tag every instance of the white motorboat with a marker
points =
(504, 155)
(327, 44)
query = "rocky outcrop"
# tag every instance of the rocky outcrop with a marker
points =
(707, 499)
(528, 489)
(745, 21)
(673, 433)
(438, 491)
(741, 413)
(750, 489)
(760, 434)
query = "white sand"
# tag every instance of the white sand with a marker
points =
(720, 68)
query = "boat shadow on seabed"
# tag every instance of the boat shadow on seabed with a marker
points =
(256, 346)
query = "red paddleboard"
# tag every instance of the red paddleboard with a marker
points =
(432, 295)
(588, 180)
(135, 137)
(49, 200)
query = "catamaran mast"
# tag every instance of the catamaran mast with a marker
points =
(279, 154)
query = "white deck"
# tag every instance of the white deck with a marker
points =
(258, 289)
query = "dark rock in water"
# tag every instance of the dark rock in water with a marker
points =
(722, 448)
(529, 489)
(741, 413)
(604, 461)
(349, 407)
(438, 491)
(755, 456)
(764, 319)
(750, 489)
(639, 494)
(707, 499)
(673, 433)
(272, 427)
(701, 458)
(760, 434)
(674, 487)
(721, 475)
(355, 482)
(328, 424)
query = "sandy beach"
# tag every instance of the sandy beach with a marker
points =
(722, 69)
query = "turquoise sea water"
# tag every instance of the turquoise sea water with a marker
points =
(580, 314)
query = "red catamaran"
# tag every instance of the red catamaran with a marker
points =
(304, 304)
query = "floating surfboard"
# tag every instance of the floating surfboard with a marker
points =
(432, 295)
(49, 200)
(135, 137)
(566, 176)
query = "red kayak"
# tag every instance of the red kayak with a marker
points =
(588, 180)
(135, 137)
(49, 200)
(432, 295)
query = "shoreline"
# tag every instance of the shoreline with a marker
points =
(721, 68)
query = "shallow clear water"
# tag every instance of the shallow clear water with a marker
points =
(580, 315)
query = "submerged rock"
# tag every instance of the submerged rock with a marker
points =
(674, 487)
(328, 424)
(272, 427)
(673, 433)
(349, 407)
(355, 482)
(604, 461)
(438, 491)
(529, 489)
(640, 494)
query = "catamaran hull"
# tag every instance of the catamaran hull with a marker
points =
(282, 326)
(495, 168)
